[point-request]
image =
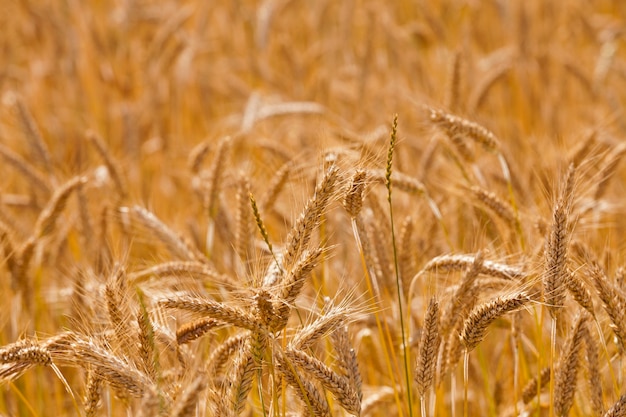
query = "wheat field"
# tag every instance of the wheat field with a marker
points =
(312, 208)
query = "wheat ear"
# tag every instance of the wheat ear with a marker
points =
(309, 219)
(475, 325)
(618, 409)
(567, 369)
(429, 346)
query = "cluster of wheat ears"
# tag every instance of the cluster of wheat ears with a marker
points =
(290, 208)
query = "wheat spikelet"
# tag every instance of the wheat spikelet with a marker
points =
(123, 377)
(309, 219)
(246, 362)
(191, 331)
(339, 386)
(347, 360)
(429, 346)
(530, 389)
(448, 263)
(400, 181)
(147, 345)
(483, 315)
(313, 400)
(566, 371)
(581, 294)
(613, 302)
(455, 125)
(593, 367)
(118, 309)
(618, 409)
(47, 220)
(353, 197)
(109, 161)
(16, 358)
(213, 309)
(224, 351)
(327, 323)
(556, 258)
(289, 289)
(492, 202)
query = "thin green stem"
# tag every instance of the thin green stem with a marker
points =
(395, 262)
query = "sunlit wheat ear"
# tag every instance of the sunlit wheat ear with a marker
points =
(454, 125)
(613, 301)
(579, 291)
(247, 362)
(78, 351)
(314, 403)
(300, 235)
(429, 346)
(530, 390)
(47, 220)
(475, 325)
(567, 367)
(146, 347)
(618, 409)
(353, 197)
(20, 356)
(339, 386)
(593, 367)
(213, 309)
(119, 311)
(347, 360)
(495, 205)
(290, 287)
(332, 319)
(450, 263)
(193, 330)
(220, 355)
(31, 131)
(554, 276)
(176, 245)
(113, 168)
